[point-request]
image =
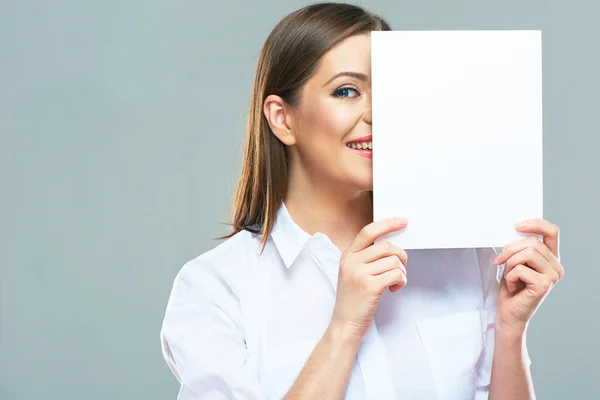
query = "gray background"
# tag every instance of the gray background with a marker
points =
(121, 124)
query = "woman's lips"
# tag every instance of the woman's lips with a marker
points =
(362, 146)
(364, 139)
(363, 153)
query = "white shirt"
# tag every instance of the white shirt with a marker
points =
(240, 324)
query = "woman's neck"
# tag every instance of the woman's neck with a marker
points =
(317, 206)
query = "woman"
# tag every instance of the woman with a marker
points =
(293, 304)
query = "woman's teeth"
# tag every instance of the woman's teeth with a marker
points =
(361, 146)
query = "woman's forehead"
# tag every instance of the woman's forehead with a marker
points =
(353, 54)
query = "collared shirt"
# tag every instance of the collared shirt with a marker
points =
(241, 323)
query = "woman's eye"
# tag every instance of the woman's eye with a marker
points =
(346, 92)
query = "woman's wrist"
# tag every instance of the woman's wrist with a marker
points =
(343, 336)
(511, 332)
(511, 340)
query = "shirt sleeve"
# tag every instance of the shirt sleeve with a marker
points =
(202, 337)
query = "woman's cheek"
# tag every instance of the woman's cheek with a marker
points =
(340, 122)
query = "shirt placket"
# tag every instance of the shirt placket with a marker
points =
(371, 355)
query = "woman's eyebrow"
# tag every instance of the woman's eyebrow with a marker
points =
(357, 75)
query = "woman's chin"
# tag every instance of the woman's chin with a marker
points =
(365, 184)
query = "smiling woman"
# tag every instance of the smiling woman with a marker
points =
(334, 110)
(311, 98)
(294, 303)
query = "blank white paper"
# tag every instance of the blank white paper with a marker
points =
(457, 135)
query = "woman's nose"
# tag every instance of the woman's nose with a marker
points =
(368, 115)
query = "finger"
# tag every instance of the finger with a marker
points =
(519, 273)
(385, 264)
(395, 288)
(547, 229)
(531, 278)
(374, 230)
(519, 245)
(557, 266)
(380, 250)
(394, 277)
(533, 260)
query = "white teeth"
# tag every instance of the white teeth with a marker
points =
(361, 146)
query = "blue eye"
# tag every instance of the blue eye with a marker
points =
(346, 92)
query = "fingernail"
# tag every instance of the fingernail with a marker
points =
(399, 221)
(497, 258)
(522, 224)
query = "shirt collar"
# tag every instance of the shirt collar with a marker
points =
(289, 238)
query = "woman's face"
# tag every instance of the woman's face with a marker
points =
(332, 124)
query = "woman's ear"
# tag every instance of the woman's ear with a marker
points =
(276, 112)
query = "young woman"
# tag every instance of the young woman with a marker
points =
(294, 304)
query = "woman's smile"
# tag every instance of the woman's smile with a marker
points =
(362, 146)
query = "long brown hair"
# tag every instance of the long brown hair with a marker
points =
(287, 60)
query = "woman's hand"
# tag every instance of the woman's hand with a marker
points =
(532, 269)
(366, 270)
